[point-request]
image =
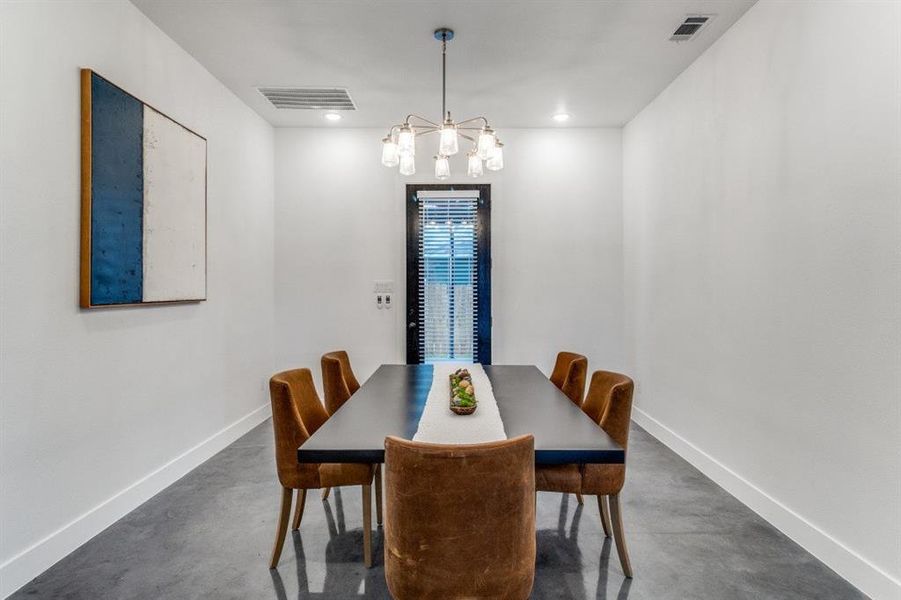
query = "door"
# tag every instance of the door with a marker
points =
(448, 273)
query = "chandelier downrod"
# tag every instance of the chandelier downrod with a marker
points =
(445, 35)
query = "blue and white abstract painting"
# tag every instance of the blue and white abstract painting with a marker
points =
(145, 201)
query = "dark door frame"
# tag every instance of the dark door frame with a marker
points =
(483, 267)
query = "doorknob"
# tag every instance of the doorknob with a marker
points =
(411, 325)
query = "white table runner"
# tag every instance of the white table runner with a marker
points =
(439, 425)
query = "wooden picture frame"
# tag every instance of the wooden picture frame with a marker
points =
(143, 202)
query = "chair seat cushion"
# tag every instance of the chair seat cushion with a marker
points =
(558, 478)
(338, 474)
(603, 480)
(299, 476)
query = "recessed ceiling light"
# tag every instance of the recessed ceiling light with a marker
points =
(561, 117)
(333, 116)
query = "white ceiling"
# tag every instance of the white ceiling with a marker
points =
(517, 63)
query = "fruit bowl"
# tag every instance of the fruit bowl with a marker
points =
(462, 393)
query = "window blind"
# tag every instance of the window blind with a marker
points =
(448, 276)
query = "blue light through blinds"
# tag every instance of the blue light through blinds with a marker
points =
(448, 284)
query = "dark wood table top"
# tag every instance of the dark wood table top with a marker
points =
(392, 400)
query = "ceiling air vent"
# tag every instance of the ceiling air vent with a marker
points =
(309, 98)
(689, 28)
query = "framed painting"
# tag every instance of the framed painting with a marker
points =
(143, 202)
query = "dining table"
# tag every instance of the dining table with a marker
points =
(391, 402)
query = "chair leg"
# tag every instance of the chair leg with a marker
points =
(378, 494)
(298, 509)
(579, 498)
(618, 537)
(605, 515)
(282, 528)
(325, 492)
(367, 525)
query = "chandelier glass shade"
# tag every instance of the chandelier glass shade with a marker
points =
(474, 166)
(448, 145)
(390, 154)
(495, 160)
(399, 146)
(442, 167)
(407, 164)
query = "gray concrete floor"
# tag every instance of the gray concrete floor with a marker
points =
(209, 536)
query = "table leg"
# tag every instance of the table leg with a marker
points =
(378, 494)
(367, 525)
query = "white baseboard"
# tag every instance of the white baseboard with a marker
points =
(863, 574)
(31, 562)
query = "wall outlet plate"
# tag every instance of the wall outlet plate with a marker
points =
(383, 286)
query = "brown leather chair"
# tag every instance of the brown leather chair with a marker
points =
(609, 402)
(338, 380)
(460, 519)
(296, 414)
(338, 384)
(570, 371)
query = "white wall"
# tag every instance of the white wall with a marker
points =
(97, 404)
(762, 192)
(556, 246)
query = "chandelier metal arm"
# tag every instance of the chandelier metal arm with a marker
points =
(423, 119)
(483, 119)
(419, 130)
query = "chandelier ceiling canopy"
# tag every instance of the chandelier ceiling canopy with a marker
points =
(399, 146)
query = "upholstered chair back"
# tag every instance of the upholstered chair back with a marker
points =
(609, 402)
(460, 519)
(569, 374)
(338, 380)
(296, 414)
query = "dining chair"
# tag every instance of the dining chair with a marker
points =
(609, 403)
(296, 414)
(570, 371)
(460, 520)
(338, 380)
(338, 384)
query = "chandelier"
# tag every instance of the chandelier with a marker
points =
(399, 146)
